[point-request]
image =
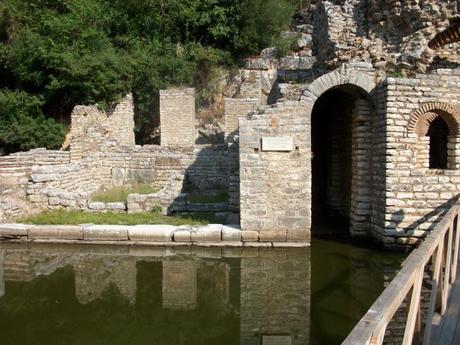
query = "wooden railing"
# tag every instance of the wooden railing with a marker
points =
(434, 263)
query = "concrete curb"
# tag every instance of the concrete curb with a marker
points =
(211, 235)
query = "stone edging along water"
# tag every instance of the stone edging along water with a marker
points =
(207, 235)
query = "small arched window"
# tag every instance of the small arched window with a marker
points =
(438, 133)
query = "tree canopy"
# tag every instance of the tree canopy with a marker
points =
(55, 54)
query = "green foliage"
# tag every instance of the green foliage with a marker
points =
(94, 51)
(61, 216)
(284, 44)
(120, 193)
(22, 124)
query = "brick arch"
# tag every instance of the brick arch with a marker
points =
(421, 119)
(342, 76)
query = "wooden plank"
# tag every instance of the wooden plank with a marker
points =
(450, 319)
(456, 249)
(368, 329)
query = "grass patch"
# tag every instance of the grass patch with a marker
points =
(120, 194)
(61, 216)
(207, 199)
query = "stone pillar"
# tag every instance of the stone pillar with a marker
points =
(361, 188)
(179, 285)
(2, 277)
(177, 117)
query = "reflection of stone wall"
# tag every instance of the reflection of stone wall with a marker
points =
(2, 278)
(95, 275)
(179, 285)
(275, 297)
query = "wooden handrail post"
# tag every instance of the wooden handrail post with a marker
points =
(447, 264)
(453, 272)
(414, 309)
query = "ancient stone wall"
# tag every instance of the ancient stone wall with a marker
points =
(275, 185)
(177, 117)
(93, 130)
(15, 173)
(236, 108)
(416, 195)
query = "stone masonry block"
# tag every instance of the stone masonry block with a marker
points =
(106, 232)
(182, 236)
(13, 230)
(231, 234)
(272, 236)
(250, 236)
(298, 236)
(151, 233)
(208, 233)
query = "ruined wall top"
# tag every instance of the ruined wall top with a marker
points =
(392, 35)
(93, 129)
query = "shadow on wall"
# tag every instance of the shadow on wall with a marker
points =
(206, 187)
(415, 233)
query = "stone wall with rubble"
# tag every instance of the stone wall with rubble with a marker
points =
(93, 131)
(15, 173)
(102, 153)
(415, 194)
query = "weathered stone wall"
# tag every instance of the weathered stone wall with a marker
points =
(415, 195)
(177, 117)
(236, 108)
(103, 154)
(94, 130)
(275, 186)
(15, 173)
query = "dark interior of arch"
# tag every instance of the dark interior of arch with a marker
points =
(438, 133)
(331, 138)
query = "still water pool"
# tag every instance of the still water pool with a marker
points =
(91, 295)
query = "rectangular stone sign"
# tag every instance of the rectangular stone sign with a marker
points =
(276, 340)
(277, 144)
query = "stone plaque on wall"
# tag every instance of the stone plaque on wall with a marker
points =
(277, 144)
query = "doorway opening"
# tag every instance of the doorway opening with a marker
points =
(340, 137)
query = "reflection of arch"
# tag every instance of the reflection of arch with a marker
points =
(421, 119)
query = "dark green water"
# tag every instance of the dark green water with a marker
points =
(92, 295)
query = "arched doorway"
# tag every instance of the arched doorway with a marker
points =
(341, 141)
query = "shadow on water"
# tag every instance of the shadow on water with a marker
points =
(71, 294)
(346, 280)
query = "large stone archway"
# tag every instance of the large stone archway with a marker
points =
(342, 184)
(276, 185)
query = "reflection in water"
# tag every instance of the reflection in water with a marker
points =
(2, 279)
(131, 295)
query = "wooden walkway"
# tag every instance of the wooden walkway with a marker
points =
(446, 330)
(433, 264)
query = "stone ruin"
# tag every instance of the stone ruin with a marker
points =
(360, 123)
